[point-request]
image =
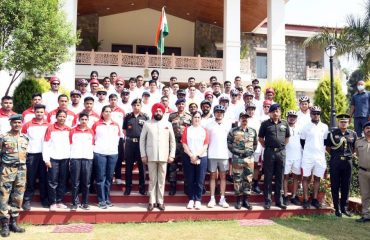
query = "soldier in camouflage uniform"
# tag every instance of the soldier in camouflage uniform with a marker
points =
(242, 142)
(13, 152)
(180, 120)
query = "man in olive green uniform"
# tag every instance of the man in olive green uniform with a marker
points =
(13, 151)
(363, 151)
(242, 142)
(341, 145)
(179, 120)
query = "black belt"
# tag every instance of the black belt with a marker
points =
(135, 140)
(364, 169)
(14, 165)
(345, 158)
(276, 149)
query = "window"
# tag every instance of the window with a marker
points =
(125, 48)
(142, 49)
(170, 50)
(219, 53)
(261, 65)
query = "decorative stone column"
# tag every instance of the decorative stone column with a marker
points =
(231, 42)
(66, 71)
(275, 39)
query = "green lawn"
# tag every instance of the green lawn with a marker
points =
(317, 227)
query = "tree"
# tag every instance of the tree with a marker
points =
(353, 39)
(34, 37)
(284, 95)
(322, 98)
(356, 76)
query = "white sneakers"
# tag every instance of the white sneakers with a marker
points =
(190, 204)
(195, 204)
(119, 181)
(222, 203)
(54, 207)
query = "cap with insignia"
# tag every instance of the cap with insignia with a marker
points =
(248, 94)
(274, 107)
(180, 100)
(136, 101)
(255, 81)
(75, 92)
(125, 90)
(367, 124)
(343, 117)
(250, 105)
(16, 117)
(244, 114)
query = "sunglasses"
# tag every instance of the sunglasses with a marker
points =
(266, 106)
(101, 93)
(119, 84)
(56, 84)
(315, 113)
(234, 95)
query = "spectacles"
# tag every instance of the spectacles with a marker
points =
(234, 95)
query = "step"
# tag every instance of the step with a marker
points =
(136, 212)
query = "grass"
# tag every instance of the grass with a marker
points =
(310, 227)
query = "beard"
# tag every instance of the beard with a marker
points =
(205, 111)
(155, 77)
(158, 117)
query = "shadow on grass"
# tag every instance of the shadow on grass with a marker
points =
(327, 226)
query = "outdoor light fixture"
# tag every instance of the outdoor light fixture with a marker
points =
(330, 51)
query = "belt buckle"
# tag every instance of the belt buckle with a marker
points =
(276, 149)
(135, 140)
(342, 158)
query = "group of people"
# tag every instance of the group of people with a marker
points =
(225, 129)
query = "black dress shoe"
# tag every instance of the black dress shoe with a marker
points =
(246, 204)
(26, 206)
(338, 213)
(127, 191)
(286, 200)
(280, 205)
(267, 205)
(295, 201)
(150, 207)
(306, 204)
(362, 220)
(161, 207)
(315, 203)
(238, 204)
(346, 212)
(142, 192)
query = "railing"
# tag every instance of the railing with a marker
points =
(318, 73)
(146, 60)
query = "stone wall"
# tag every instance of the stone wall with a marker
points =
(207, 35)
(88, 25)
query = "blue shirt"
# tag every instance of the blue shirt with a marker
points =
(361, 102)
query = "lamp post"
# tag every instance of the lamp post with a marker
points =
(330, 51)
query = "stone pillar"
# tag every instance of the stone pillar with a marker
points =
(231, 53)
(275, 39)
(66, 71)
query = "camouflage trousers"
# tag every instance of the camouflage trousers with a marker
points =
(12, 187)
(242, 175)
(172, 167)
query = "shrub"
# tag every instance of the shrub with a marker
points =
(23, 92)
(284, 95)
(322, 98)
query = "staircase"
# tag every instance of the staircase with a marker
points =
(133, 208)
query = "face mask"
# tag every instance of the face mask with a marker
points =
(360, 87)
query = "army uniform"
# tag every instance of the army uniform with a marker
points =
(341, 149)
(133, 126)
(13, 152)
(242, 144)
(179, 123)
(363, 149)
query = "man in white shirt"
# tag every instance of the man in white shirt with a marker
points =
(125, 102)
(218, 154)
(293, 159)
(50, 98)
(313, 160)
(75, 106)
(102, 100)
(304, 111)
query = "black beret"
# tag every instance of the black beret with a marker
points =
(274, 107)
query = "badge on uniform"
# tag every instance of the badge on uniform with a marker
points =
(282, 128)
(141, 122)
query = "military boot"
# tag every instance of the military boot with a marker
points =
(14, 227)
(172, 191)
(5, 227)
(238, 204)
(246, 204)
(255, 187)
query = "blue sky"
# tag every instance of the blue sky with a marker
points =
(330, 13)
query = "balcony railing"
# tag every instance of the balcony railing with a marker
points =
(154, 61)
(318, 73)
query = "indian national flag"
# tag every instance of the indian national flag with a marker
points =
(162, 31)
